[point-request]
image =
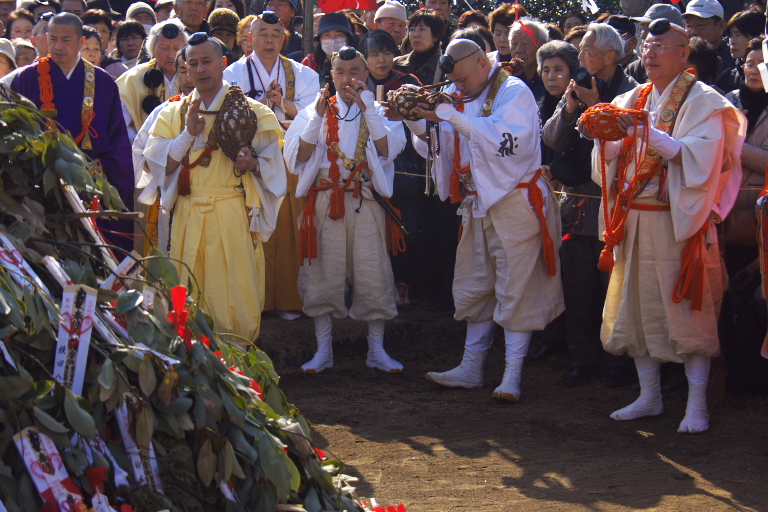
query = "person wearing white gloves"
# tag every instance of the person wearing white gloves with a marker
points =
(507, 264)
(343, 150)
(665, 289)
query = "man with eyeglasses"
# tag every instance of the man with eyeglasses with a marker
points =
(661, 207)
(145, 86)
(704, 18)
(626, 29)
(507, 268)
(584, 285)
(286, 87)
(342, 149)
(85, 101)
(217, 155)
(654, 12)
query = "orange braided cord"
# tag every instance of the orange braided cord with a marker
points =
(536, 198)
(602, 121)
(395, 235)
(87, 119)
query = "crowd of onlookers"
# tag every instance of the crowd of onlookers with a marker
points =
(569, 65)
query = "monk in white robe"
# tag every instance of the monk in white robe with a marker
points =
(343, 228)
(286, 87)
(507, 266)
(648, 314)
(231, 206)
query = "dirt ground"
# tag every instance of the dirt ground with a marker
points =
(409, 441)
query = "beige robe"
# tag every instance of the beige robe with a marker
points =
(640, 317)
(212, 228)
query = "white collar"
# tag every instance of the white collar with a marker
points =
(68, 74)
(222, 91)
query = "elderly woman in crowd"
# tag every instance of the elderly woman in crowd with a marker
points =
(243, 33)
(501, 19)
(741, 29)
(7, 57)
(130, 37)
(425, 28)
(525, 38)
(19, 25)
(102, 22)
(556, 60)
(572, 19)
(740, 229)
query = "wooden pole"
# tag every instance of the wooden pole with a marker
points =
(309, 27)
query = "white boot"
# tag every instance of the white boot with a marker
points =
(696, 418)
(378, 358)
(469, 374)
(509, 390)
(649, 403)
(323, 358)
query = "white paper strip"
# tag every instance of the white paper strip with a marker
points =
(46, 468)
(127, 269)
(78, 310)
(88, 223)
(144, 470)
(22, 274)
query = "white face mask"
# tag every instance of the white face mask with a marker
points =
(330, 46)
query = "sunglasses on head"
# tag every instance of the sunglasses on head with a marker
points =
(170, 31)
(270, 17)
(448, 63)
(46, 16)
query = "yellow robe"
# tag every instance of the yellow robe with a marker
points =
(211, 229)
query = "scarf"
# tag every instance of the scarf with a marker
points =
(754, 103)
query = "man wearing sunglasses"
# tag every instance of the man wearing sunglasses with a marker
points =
(665, 289)
(286, 87)
(85, 101)
(507, 268)
(224, 202)
(343, 150)
(146, 86)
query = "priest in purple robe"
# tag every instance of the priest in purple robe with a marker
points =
(84, 95)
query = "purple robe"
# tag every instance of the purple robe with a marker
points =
(111, 145)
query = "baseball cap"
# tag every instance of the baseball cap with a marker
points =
(657, 11)
(705, 9)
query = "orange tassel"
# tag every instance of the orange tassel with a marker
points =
(185, 187)
(395, 235)
(606, 259)
(308, 231)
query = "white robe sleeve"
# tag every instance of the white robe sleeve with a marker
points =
(272, 185)
(307, 171)
(383, 168)
(307, 86)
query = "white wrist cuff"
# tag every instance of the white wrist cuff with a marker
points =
(667, 146)
(311, 133)
(445, 111)
(460, 123)
(180, 145)
(376, 127)
(417, 127)
(368, 99)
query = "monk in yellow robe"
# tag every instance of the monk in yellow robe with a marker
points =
(224, 206)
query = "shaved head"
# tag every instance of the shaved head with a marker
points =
(461, 48)
(666, 57)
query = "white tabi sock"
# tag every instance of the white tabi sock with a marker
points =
(378, 358)
(469, 374)
(649, 403)
(323, 358)
(516, 345)
(696, 418)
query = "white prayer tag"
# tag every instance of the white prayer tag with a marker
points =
(46, 468)
(144, 470)
(127, 269)
(21, 273)
(78, 310)
(228, 492)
